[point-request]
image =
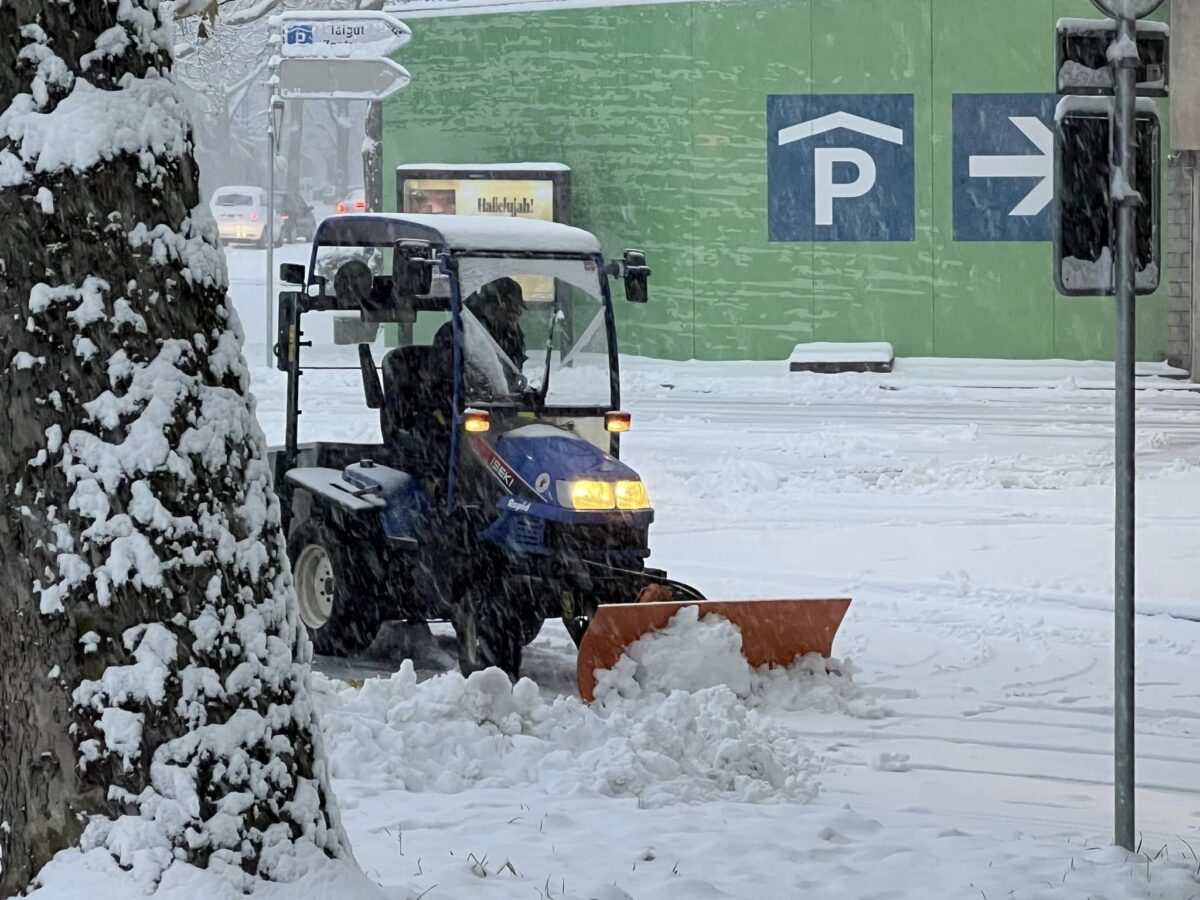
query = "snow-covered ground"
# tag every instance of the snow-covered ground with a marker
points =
(963, 751)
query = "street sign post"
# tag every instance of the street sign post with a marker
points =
(274, 122)
(326, 55)
(1124, 201)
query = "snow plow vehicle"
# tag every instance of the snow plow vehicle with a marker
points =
(497, 497)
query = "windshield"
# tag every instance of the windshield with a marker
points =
(534, 329)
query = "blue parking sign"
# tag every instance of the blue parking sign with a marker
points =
(1003, 166)
(300, 34)
(840, 167)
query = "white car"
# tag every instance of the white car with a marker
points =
(241, 214)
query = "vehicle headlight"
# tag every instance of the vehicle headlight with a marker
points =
(632, 495)
(586, 494)
(590, 494)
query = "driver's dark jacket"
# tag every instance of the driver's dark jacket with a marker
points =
(435, 403)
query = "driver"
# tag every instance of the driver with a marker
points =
(498, 306)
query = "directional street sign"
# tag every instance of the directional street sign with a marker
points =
(1003, 166)
(340, 34)
(840, 167)
(341, 79)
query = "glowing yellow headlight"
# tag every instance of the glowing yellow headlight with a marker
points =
(603, 495)
(632, 495)
(592, 495)
(586, 494)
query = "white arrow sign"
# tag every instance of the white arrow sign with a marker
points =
(1040, 165)
(340, 79)
(351, 33)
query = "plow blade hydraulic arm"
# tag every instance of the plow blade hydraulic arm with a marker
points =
(774, 632)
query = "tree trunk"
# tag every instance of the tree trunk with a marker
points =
(152, 694)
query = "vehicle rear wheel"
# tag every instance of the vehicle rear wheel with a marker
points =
(336, 599)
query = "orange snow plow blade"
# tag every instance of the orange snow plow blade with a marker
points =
(774, 632)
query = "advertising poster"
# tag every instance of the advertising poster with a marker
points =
(528, 199)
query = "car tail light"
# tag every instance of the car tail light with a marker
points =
(253, 217)
(360, 204)
(282, 217)
(341, 207)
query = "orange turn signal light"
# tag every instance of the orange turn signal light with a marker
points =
(617, 422)
(476, 421)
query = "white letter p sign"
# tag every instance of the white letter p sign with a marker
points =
(827, 189)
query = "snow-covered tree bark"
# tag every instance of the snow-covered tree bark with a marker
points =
(154, 702)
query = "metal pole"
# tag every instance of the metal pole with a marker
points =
(1125, 61)
(270, 226)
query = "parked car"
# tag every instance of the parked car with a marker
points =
(299, 222)
(241, 214)
(355, 202)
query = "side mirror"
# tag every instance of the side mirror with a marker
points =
(637, 277)
(412, 269)
(291, 273)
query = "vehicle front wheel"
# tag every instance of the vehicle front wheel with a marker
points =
(575, 617)
(491, 634)
(335, 603)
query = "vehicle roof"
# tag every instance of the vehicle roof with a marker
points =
(238, 189)
(509, 234)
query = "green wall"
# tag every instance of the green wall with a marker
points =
(659, 110)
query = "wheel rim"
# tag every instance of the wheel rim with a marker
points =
(314, 586)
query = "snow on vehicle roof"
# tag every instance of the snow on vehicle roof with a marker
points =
(484, 167)
(465, 233)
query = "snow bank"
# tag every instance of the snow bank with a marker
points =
(96, 875)
(450, 733)
(676, 721)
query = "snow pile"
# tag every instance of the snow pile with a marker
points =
(690, 654)
(97, 875)
(450, 733)
(694, 654)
